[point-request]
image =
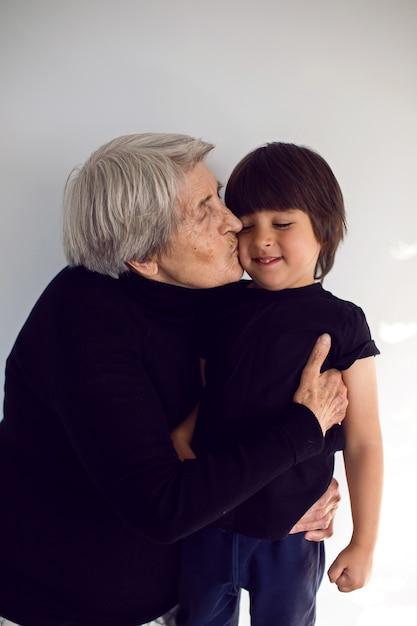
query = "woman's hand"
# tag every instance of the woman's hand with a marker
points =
(317, 523)
(323, 393)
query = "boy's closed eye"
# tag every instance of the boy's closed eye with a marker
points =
(278, 225)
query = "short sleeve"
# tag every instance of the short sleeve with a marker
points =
(353, 341)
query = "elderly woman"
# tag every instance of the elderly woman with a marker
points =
(93, 496)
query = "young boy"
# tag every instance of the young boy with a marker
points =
(262, 331)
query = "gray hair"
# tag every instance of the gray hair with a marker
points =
(121, 205)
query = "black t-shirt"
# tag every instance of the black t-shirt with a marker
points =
(256, 345)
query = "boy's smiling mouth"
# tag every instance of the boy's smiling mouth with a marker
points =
(267, 260)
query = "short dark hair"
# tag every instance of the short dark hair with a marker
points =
(284, 176)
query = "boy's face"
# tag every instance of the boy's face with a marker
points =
(278, 249)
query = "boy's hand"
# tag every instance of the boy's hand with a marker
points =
(182, 442)
(182, 436)
(352, 568)
(183, 449)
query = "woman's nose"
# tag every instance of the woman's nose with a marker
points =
(230, 223)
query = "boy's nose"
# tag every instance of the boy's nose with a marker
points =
(264, 239)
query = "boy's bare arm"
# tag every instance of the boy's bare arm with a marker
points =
(363, 456)
(182, 436)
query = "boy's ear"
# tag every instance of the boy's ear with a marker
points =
(149, 269)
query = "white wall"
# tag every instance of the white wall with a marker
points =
(338, 76)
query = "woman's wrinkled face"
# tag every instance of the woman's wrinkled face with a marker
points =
(203, 253)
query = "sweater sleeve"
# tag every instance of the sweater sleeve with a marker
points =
(116, 424)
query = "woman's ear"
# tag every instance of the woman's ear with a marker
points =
(149, 269)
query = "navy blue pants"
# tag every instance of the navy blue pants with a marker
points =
(282, 578)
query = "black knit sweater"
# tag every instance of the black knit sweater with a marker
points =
(93, 497)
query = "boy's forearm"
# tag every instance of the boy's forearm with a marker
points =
(364, 471)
